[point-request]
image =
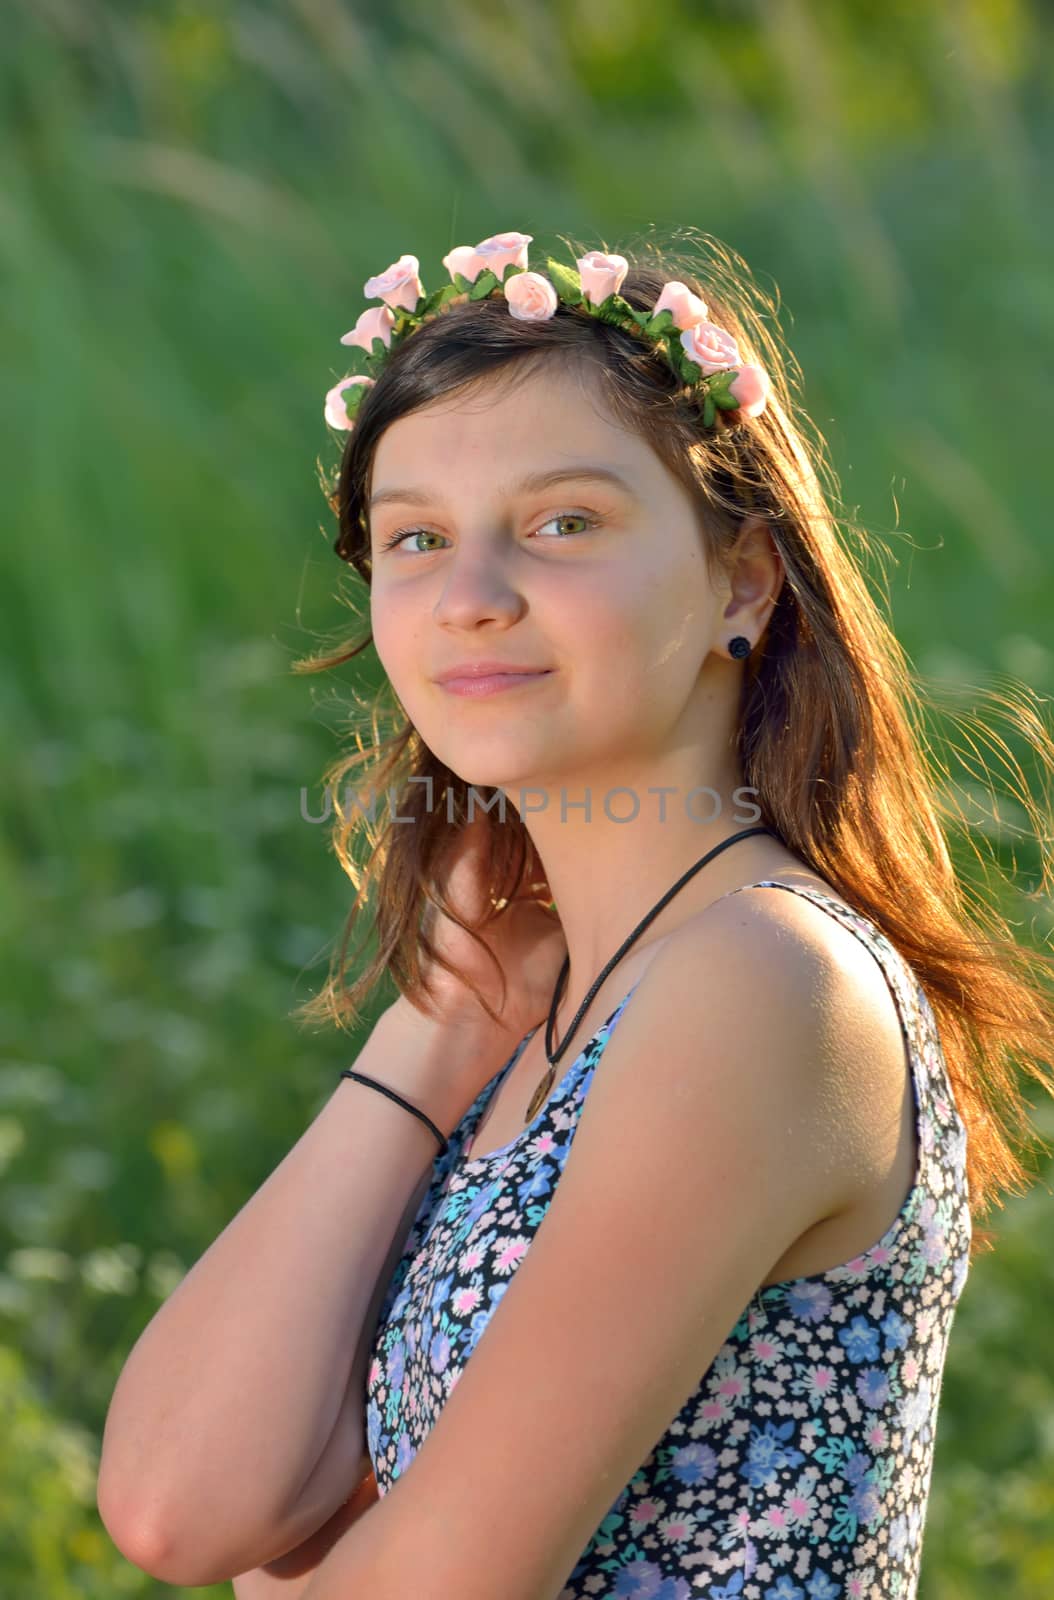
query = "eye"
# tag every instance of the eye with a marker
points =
(403, 534)
(564, 516)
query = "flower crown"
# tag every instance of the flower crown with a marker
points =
(699, 352)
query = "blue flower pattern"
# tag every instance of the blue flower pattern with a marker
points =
(800, 1467)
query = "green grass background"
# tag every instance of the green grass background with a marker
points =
(191, 198)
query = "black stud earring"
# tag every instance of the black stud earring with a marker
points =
(739, 647)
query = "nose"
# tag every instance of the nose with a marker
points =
(476, 588)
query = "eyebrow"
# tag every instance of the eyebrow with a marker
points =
(527, 485)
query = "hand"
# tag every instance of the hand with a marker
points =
(522, 931)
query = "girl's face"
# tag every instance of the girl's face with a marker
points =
(602, 583)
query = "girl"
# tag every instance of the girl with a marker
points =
(624, 1260)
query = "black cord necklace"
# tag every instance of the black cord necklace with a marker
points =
(553, 1056)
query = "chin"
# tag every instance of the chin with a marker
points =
(489, 774)
(490, 778)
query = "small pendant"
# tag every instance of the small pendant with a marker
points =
(538, 1097)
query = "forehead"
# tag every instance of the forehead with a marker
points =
(507, 427)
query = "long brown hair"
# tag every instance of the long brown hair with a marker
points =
(833, 732)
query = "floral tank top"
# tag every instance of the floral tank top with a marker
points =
(800, 1467)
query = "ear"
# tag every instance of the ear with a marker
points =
(755, 577)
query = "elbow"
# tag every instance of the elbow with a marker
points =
(123, 1494)
(143, 1540)
(133, 1538)
(150, 1553)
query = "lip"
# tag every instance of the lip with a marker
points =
(486, 669)
(479, 684)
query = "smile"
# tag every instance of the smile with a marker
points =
(493, 683)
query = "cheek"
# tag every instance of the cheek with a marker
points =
(639, 638)
(392, 633)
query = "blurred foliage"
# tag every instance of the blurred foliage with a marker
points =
(191, 197)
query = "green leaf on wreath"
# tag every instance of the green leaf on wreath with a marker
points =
(566, 282)
(709, 412)
(484, 284)
(661, 323)
(437, 298)
(720, 389)
(353, 399)
(691, 370)
(623, 307)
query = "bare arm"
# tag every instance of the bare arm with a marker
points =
(246, 1379)
(288, 1577)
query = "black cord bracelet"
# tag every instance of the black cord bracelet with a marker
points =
(360, 1077)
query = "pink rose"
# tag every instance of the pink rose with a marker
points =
(751, 388)
(601, 275)
(503, 250)
(335, 411)
(399, 287)
(531, 297)
(463, 259)
(685, 307)
(377, 323)
(710, 347)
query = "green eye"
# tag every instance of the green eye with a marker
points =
(401, 535)
(409, 533)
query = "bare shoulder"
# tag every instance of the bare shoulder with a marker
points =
(764, 924)
(793, 928)
(757, 1002)
(775, 944)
